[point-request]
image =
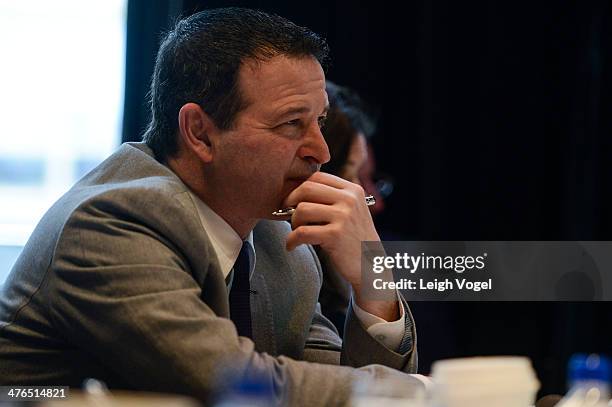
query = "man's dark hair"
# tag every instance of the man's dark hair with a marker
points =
(199, 60)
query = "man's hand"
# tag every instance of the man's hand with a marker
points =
(331, 212)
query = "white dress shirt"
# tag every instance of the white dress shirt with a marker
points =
(227, 244)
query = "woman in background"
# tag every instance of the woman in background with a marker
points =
(346, 131)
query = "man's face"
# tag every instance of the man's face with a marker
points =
(276, 142)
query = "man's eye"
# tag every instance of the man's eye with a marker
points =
(322, 121)
(294, 122)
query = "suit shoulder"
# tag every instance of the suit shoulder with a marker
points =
(130, 190)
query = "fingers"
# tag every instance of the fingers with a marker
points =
(311, 191)
(328, 211)
(309, 234)
(337, 182)
(326, 189)
(308, 213)
(330, 180)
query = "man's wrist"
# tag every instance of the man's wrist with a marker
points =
(387, 310)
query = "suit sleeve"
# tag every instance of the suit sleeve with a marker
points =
(124, 293)
(359, 347)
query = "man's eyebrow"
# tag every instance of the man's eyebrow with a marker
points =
(301, 110)
(294, 110)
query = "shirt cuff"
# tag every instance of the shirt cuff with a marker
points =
(390, 334)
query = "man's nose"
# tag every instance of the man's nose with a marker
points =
(314, 147)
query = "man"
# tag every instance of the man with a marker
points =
(126, 278)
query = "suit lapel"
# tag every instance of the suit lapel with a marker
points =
(261, 312)
(208, 273)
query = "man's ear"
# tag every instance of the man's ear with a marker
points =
(195, 127)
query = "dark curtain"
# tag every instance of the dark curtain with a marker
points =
(146, 21)
(495, 124)
(500, 132)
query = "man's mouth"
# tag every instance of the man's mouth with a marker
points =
(308, 171)
(301, 177)
(295, 182)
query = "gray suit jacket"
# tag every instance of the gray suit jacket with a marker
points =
(119, 282)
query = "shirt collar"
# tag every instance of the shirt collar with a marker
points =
(225, 241)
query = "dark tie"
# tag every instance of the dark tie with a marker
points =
(239, 298)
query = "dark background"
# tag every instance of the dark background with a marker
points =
(495, 124)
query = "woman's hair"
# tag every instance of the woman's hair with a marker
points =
(348, 116)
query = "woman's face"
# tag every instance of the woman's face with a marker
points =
(356, 159)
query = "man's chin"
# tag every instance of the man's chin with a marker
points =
(287, 188)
